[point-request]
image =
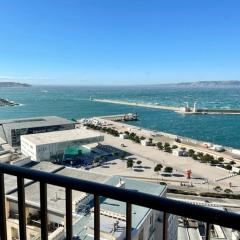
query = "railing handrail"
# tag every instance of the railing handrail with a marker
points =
(204, 214)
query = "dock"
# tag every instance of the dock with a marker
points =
(121, 117)
(182, 110)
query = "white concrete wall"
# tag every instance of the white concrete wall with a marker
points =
(43, 152)
(28, 148)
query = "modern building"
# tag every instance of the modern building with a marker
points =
(146, 223)
(11, 130)
(44, 146)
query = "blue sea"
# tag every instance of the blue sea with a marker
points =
(73, 102)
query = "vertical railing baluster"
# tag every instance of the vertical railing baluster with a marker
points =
(3, 231)
(165, 226)
(43, 211)
(21, 208)
(128, 221)
(208, 228)
(69, 231)
(96, 217)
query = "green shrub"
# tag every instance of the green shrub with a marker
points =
(168, 169)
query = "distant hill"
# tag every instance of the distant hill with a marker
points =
(13, 84)
(230, 83)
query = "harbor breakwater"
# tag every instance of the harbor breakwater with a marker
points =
(184, 110)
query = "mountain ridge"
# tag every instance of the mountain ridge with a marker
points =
(13, 84)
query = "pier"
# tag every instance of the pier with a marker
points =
(121, 117)
(183, 110)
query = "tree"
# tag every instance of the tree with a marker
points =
(129, 163)
(191, 152)
(136, 139)
(167, 147)
(142, 138)
(168, 169)
(232, 162)
(166, 144)
(162, 183)
(174, 146)
(160, 146)
(158, 168)
(139, 162)
(221, 159)
(228, 167)
(207, 158)
(228, 191)
(195, 157)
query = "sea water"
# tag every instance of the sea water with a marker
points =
(74, 102)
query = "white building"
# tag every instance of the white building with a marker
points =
(43, 146)
(145, 142)
(123, 136)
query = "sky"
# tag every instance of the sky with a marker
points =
(119, 42)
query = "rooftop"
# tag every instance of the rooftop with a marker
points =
(55, 194)
(118, 207)
(11, 181)
(34, 122)
(107, 227)
(60, 136)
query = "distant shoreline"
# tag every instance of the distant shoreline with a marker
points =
(13, 84)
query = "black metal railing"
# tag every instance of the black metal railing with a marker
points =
(167, 206)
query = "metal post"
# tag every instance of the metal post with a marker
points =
(96, 218)
(69, 231)
(129, 221)
(208, 228)
(21, 208)
(43, 211)
(3, 231)
(165, 226)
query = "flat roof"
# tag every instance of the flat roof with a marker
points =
(55, 194)
(119, 207)
(107, 226)
(11, 181)
(60, 136)
(34, 122)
